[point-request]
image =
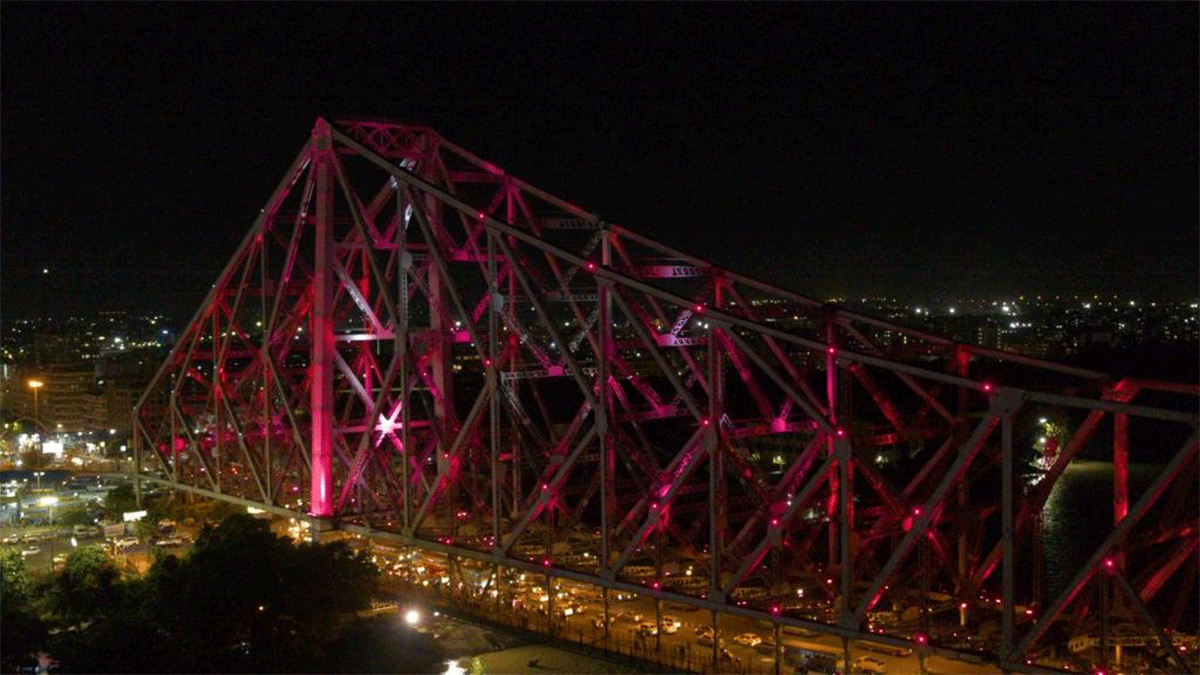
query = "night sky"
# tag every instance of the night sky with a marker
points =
(900, 149)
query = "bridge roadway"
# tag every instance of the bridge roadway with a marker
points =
(423, 568)
(526, 604)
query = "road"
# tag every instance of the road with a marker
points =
(681, 650)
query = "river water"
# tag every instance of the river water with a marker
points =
(1078, 515)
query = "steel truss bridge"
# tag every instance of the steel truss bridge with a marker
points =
(413, 341)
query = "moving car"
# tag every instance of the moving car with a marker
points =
(706, 639)
(869, 664)
(647, 630)
(747, 639)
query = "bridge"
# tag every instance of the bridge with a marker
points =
(411, 342)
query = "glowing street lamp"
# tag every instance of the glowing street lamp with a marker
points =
(35, 385)
(49, 502)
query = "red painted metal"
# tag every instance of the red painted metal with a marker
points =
(412, 339)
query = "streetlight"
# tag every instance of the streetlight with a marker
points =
(49, 502)
(38, 475)
(35, 385)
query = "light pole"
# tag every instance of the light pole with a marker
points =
(35, 385)
(49, 503)
(38, 475)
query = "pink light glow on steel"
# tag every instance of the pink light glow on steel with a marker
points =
(987, 386)
(832, 350)
(546, 562)
(704, 421)
(657, 585)
(841, 432)
(699, 308)
(776, 610)
(591, 266)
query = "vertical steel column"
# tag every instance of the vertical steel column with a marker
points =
(962, 368)
(218, 387)
(716, 490)
(440, 345)
(493, 391)
(402, 349)
(607, 456)
(845, 467)
(1006, 531)
(171, 449)
(265, 356)
(778, 649)
(321, 367)
(716, 469)
(1120, 478)
(835, 479)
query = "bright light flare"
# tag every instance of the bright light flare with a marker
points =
(413, 617)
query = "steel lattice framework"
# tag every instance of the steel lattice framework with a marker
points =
(412, 339)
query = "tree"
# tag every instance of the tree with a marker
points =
(77, 516)
(247, 600)
(17, 589)
(87, 587)
(119, 500)
(22, 632)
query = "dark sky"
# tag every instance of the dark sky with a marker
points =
(901, 149)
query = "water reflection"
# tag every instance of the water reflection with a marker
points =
(1078, 515)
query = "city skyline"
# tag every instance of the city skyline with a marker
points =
(836, 150)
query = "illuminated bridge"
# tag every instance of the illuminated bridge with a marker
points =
(413, 343)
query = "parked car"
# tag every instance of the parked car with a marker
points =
(647, 630)
(30, 550)
(670, 624)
